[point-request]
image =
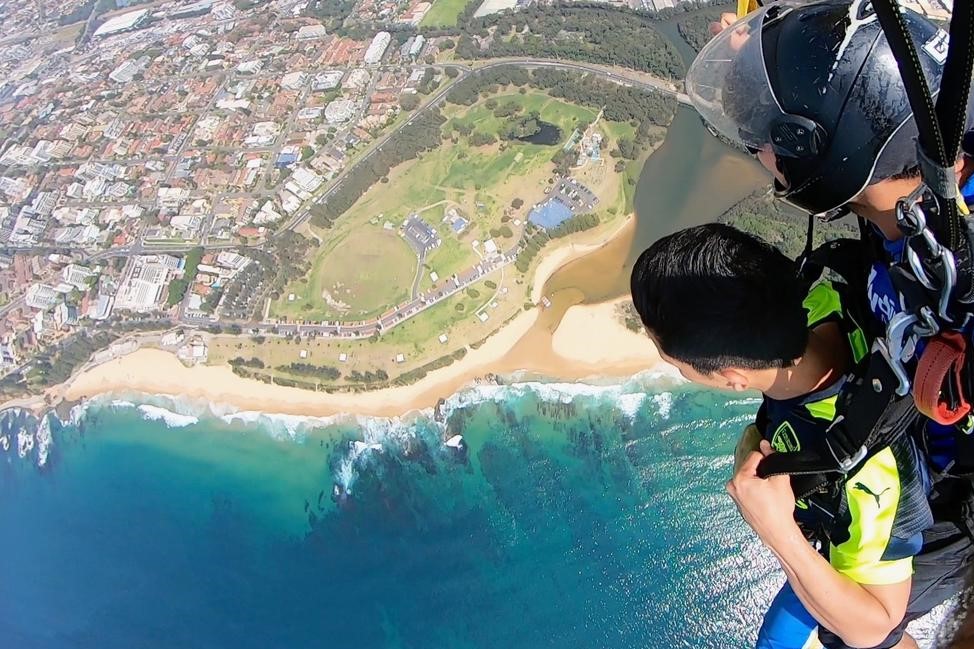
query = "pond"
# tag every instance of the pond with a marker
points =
(547, 134)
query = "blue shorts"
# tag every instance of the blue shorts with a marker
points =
(787, 625)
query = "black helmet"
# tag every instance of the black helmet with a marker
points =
(818, 83)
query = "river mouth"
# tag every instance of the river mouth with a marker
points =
(547, 134)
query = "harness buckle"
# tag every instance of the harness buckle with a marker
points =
(896, 364)
(848, 460)
(934, 266)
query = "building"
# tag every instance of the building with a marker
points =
(294, 80)
(42, 297)
(125, 22)
(125, 72)
(192, 10)
(327, 80)
(357, 80)
(144, 284)
(417, 46)
(496, 6)
(377, 48)
(311, 32)
(339, 111)
(77, 276)
(306, 179)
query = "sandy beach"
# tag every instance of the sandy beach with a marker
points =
(574, 354)
(558, 257)
(590, 342)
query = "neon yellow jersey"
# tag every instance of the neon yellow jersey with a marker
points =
(871, 525)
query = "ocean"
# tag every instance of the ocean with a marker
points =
(574, 516)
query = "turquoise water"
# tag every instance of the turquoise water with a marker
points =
(579, 517)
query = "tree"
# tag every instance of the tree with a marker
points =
(409, 101)
(447, 44)
(306, 152)
(322, 139)
(452, 73)
(517, 203)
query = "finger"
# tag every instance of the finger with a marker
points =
(728, 18)
(750, 466)
(766, 448)
(716, 28)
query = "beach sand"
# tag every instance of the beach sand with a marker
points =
(590, 342)
(574, 354)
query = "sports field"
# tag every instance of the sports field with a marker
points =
(357, 277)
(444, 13)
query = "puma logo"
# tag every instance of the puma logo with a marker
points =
(861, 487)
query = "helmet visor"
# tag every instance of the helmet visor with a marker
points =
(728, 82)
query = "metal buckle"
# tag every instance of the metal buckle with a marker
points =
(845, 463)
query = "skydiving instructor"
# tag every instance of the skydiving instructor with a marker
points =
(812, 90)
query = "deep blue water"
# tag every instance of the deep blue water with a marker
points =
(587, 518)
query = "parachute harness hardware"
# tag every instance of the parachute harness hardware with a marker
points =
(935, 279)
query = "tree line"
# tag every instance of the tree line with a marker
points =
(422, 134)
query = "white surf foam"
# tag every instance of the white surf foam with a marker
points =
(171, 419)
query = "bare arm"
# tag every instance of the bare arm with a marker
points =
(862, 615)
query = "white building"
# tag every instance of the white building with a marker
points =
(294, 80)
(171, 198)
(306, 179)
(123, 23)
(311, 32)
(250, 67)
(339, 111)
(417, 46)
(77, 276)
(377, 48)
(327, 80)
(357, 80)
(125, 72)
(144, 285)
(42, 296)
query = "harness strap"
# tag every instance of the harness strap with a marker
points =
(877, 418)
(938, 388)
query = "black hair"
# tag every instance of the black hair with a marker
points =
(715, 297)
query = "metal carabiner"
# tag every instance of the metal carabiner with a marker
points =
(892, 347)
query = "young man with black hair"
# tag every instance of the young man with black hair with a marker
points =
(752, 324)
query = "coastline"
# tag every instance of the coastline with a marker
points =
(572, 356)
(569, 352)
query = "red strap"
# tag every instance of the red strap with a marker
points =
(942, 360)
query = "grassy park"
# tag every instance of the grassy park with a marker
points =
(363, 264)
(444, 13)
(354, 277)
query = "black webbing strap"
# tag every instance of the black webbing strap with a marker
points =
(871, 417)
(939, 139)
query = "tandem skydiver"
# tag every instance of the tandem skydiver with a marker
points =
(814, 92)
(754, 324)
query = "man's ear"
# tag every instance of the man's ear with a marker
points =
(737, 380)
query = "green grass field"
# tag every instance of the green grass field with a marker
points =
(363, 274)
(480, 182)
(444, 13)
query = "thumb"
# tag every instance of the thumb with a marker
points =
(766, 448)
